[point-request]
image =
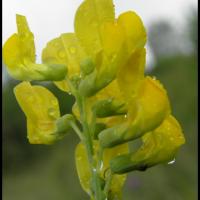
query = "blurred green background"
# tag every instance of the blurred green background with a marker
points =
(37, 172)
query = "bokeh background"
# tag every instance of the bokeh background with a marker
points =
(37, 172)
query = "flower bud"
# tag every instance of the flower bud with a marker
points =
(63, 123)
(109, 107)
(87, 66)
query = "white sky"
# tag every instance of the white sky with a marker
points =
(49, 18)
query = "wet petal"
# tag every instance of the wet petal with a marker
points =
(41, 109)
(89, 17)
(19, 57)
(131, 73)
(64, 50)
(146, 111)
(134, 30)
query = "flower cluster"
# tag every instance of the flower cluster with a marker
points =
(102, 64)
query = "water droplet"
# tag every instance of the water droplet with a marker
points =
(72, 50)
(52, 112)
(113, 57)
(101, 166)
(154, 78)
(69, 93)
(61, 54)
(54, 102)
(57, 44)
(94, 169)
(79, 158)
(171, 162)
(125, 116)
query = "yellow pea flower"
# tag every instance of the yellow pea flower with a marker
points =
(19, 57)
(41, 109)
(146, 109)
(64, 50)
(93, 42)
(159, 146)
(84, 172)
(102, 64)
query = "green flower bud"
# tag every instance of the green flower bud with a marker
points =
(63, 124)
(75, 80)
(87, 85)
(124, 163)
(113, 136)
(109, 107)
(87, 66)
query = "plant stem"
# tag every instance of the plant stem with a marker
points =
(76, 129)
(95, 183)
(108, 183)
(87, 138)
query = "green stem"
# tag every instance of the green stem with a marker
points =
(89, 146)
(77, 130)
(87, 138)
(108, 183)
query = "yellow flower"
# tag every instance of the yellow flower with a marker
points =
(19, 57)
(105, 58)
(41, 109)
(95, 25)
(159, 145)
(83, 167)
(146, 109)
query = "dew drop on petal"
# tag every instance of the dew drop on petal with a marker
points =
(61, 54)
(72, 50)
(52, 113)
(56, 44)
(54, 102)
(79, 158)
(113, 57)
(94, 169)
(154, 78)
(101, 166)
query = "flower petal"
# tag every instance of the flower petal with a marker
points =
(131, 74)
(89, 17)
(41, 109)
(64, 50)
(134, 30)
